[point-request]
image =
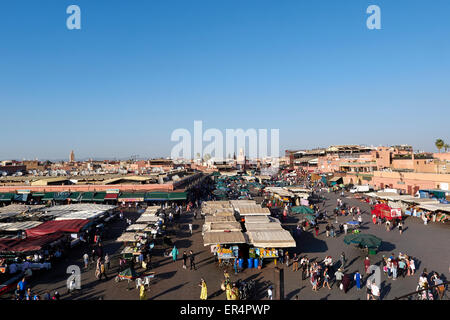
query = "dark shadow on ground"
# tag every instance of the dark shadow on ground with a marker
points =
(170, 290)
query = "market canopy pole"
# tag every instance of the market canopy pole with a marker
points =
(279, 283)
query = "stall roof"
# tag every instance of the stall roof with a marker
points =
(263, 226)
(224, 213)
(152, 210)
(255, 210)
(137, 227)
(214, 219)
(234, 237)
(257, 219)
(436, 207)
(422, 201)
(34, 243)
(82, 215)
(223, 226)
(271, 239)
(236, 203)
(128, 237)
(49, 227)
(147, 218)
(19, 226)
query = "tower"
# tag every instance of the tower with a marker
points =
(72, 156)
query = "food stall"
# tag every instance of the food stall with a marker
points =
(270, 241)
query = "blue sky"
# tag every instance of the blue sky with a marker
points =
(137, 70)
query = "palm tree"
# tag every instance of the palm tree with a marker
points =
(446, 147)
(439, 144)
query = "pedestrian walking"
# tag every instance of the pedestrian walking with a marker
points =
(107, 262)
(339, 276)
(204, 291)
(174, 253)
(343, 260)
(366, 264)
(295, 262)
(102, 271)
(270, 293)
(357, 279)
(191, 258)
(142, 292)
(184, 259)
(326, 279)
(86, 260)
(316, 228)
(375, 291)
(190, 228)
(412, 266)
(345, 228)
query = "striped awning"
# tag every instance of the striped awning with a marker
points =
(6, 196)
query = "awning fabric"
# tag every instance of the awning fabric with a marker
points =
(37, 194)
(132, 197)
(111, 196)
(34, 243)
(149, 196)
(6, 196)
(100, 196)
(61, 196)
(49, 227)
(75, 196)
(48, 196)
(87, 196)
(22, 197)
(177, 196)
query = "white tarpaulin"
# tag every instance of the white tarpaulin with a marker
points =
(271, 239)
(234, 237)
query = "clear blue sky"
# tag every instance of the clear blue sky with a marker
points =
(139, 69)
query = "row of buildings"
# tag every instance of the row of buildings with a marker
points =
(397, 167)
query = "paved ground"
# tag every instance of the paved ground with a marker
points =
(428, 244)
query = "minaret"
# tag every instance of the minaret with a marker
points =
(72, 156)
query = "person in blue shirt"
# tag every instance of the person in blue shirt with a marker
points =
(21, 287)
(358, 280)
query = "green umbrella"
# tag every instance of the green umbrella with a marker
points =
(364, 240)
(302, 210)
(309, 217)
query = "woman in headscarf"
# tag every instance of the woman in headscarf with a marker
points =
(204, 292)
(346, 282)
(228, 291)
(234, 292)
(174, 253)
(142, 292)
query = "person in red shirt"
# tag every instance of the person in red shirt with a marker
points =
(366, 264)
